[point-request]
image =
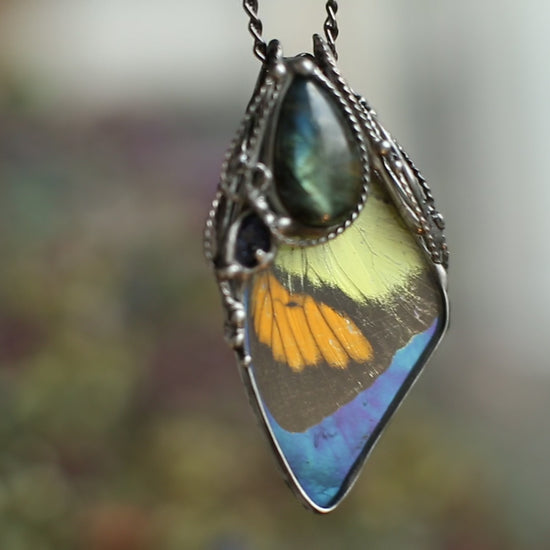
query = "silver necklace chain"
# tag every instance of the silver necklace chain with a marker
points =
(256, 28)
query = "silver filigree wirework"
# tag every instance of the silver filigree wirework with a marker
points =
(255, 27)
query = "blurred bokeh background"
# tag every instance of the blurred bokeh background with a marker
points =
(123, 425)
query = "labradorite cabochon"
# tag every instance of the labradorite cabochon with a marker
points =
(316, 161)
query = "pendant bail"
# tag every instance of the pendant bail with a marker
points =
(255, 27)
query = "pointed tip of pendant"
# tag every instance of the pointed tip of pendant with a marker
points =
(311, 503)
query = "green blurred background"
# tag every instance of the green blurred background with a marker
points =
(123, 425)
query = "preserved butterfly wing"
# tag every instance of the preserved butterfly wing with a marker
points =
(331, 264)
(337, 333)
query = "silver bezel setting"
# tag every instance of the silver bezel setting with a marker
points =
(247, 186)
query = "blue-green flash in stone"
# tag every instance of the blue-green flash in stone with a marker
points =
(317, 165)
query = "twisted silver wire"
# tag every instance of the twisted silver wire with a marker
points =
(331, 26)
(255, 27)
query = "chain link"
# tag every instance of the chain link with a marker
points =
(256, 28)
(331, 26)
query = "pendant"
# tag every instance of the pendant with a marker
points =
(331, 262)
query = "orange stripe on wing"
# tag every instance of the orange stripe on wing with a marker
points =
(333, 353)
(301, 332)
(349, 336)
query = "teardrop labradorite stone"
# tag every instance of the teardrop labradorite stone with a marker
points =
(317, 165)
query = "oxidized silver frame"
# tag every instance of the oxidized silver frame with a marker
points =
(246, 186)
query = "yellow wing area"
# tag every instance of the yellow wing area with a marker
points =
(370, 260)
(302, 332)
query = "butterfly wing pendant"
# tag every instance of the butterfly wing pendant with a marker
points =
(331, 263)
